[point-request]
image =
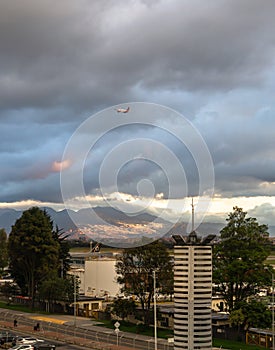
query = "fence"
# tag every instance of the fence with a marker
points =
(93, 337)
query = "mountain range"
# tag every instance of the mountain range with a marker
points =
(111, 222)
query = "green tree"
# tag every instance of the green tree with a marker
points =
(238, 259)
(9, 289)
(3, 250)
(237, 319)
(251, 314)
(56, 289)
(33, 250)
(135, 273)
(257, 314)
(64, 249)
(123, 307)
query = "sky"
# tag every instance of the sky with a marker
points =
(205, 67)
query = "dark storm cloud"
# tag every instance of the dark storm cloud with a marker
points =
(88, 53)
(61, 61)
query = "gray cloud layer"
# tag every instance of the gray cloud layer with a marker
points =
(62, 61)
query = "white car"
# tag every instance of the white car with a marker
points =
(27, 340)
(22, 347)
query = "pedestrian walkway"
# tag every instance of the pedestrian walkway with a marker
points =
(59, 336)
(48, 319)
(51, 336)
(56, 328)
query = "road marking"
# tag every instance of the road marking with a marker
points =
(48, 319)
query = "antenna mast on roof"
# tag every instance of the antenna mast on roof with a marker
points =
(192, 205)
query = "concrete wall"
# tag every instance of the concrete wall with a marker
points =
(100, 278)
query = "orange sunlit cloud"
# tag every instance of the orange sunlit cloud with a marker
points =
(58, 166)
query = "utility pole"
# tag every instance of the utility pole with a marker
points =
(272, 311)
(74, 300)
(155, 311)
(193, 215)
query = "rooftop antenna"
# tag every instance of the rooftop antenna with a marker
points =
(192, 205)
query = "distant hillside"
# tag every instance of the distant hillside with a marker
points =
(109, 216)
(8, 218)
(205, 228)
(67, 222)
(62, 219)
(116, 217)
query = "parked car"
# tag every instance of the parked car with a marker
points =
(38, 346)
(6, 337)
(22, 347)
(27, 340)
(43, 346)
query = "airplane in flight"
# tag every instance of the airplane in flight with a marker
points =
(123, 110)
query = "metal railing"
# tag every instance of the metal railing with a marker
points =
(94, 338)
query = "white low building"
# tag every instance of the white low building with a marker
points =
(96, 274)
(100, 277)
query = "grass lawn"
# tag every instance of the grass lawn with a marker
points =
(133, 328)
(168, 333)
(22, 308)
(234, 345)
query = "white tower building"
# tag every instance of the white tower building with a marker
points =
(192, 291)
(192, 295)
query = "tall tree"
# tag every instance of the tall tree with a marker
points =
(238, 259)
(58, 289)
(64, 249)
(135, 273)
(33, 250)
(3, 250)
(251, 314)
(123, 307)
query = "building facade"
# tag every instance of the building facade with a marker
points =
(100, 278)
(192, 293)
(96, 273)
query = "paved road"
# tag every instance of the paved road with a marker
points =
(79, 331)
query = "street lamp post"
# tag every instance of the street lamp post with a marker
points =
(272, 310)
(74, 300)
(155, 311)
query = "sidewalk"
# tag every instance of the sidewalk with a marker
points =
(59, 337)
(58, 322)
(67, 329)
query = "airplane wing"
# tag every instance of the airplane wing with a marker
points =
(122, 110)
